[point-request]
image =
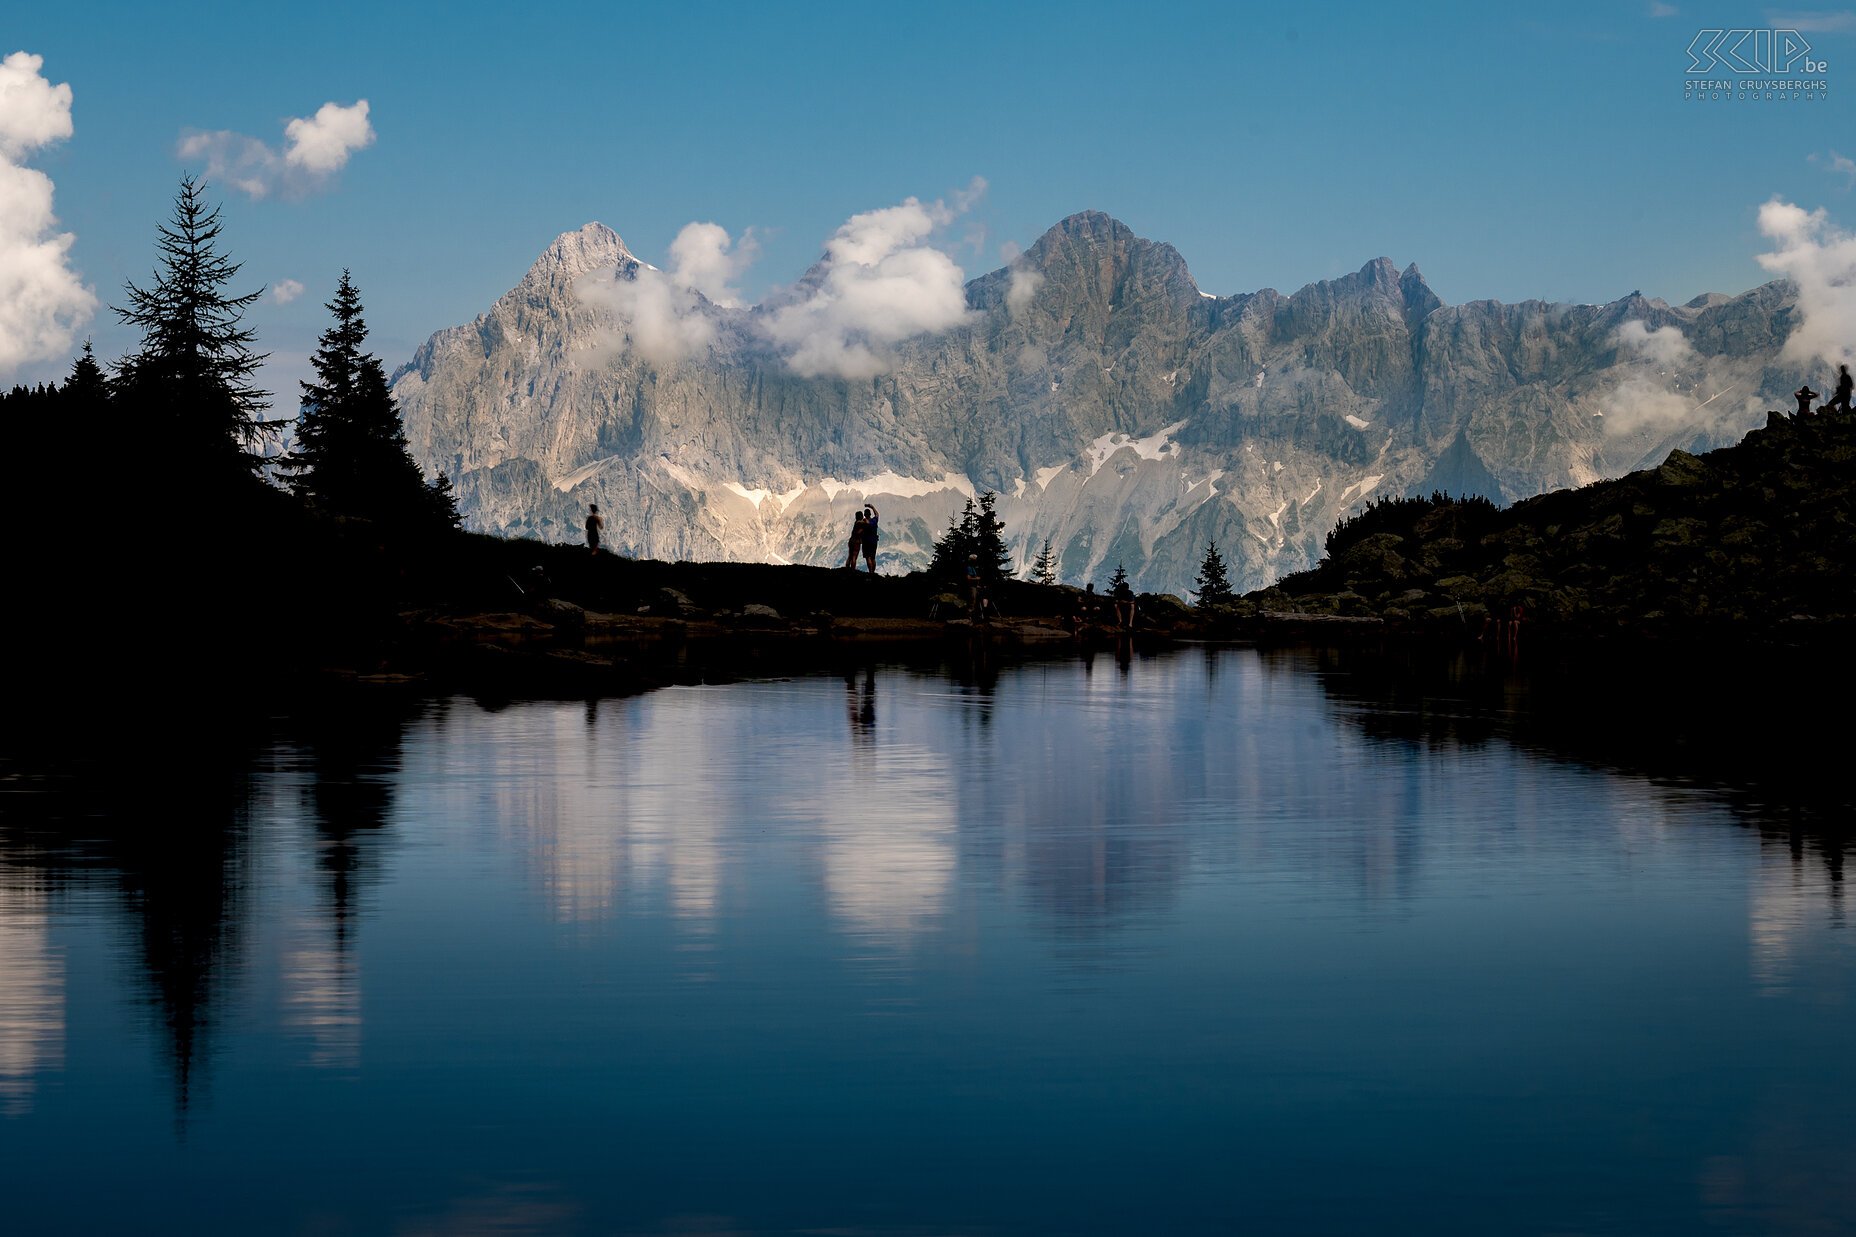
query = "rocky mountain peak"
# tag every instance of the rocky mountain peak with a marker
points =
(1120, 414)
(1419, 299)
(571, 255)
(1101, 259)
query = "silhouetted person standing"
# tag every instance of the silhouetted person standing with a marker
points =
(870, 537)
(1840, 400)
(858, 528)
(1123, 597)
(595, 525)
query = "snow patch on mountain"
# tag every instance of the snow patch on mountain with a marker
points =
(1362, 487)
(901, 487)
(1151, 447)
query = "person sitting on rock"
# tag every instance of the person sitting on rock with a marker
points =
(1840, 399)
(1804, 395)
(595, 525)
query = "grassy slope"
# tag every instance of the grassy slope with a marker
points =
(1758, 538)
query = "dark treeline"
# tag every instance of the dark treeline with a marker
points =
(154, 512)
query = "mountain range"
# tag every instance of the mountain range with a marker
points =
(1120, 412)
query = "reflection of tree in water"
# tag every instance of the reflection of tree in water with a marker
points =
(354, 757)
(163, 820)
(352, 748)
(975, 667)
(1743, 725)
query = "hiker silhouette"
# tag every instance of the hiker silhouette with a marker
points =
(1840, 399)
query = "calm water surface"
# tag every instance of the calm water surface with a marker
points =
(1199, 944)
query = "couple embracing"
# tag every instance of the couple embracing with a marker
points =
(863, 539)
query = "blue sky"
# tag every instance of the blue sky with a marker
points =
(1511, 151)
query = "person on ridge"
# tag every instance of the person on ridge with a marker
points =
(859, 528)
(595, 525)
(1123, 597)
(870, 537)
(1804, 395)
(1840, 400)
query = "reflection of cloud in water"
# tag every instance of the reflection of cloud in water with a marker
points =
(888, 828)
(631, 810)
(321, 996)
(1787, 917)
(31, 998)
(600, 812)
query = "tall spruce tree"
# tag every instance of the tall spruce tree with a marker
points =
(1118, 579)
(87, 388)
(190, 383)
(351, 457)
(1213, 586)
(953, 546)
(976, 531)
(1044, 570)
(989, 540)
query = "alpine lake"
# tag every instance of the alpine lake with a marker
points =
(1205, 941)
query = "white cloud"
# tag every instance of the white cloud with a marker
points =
(321, 144)
(1024, 285)
(315, 149)
(879, 283)
(42, 302)
(1667, 346)
(1820, 260)
(705, 258)
(1659, 9)
(286, 290)
(1839, 165)
(1818, 22)
(1641, 404)
(663, 319)
(33, 112)
(659, 311)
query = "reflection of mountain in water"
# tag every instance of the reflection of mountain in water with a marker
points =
(31, 995)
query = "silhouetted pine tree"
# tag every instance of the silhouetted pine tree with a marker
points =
(989, 540)
(1118, 579)
(443, 500)
(42, 428)
(1213, 586)
(976, 531)
(1044, 570)
(87, 389)
(953, 546)
(189, 385)
(351, 456)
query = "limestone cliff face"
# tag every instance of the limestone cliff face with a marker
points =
(1120, 412)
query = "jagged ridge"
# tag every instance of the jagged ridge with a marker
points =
(1121, 413)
